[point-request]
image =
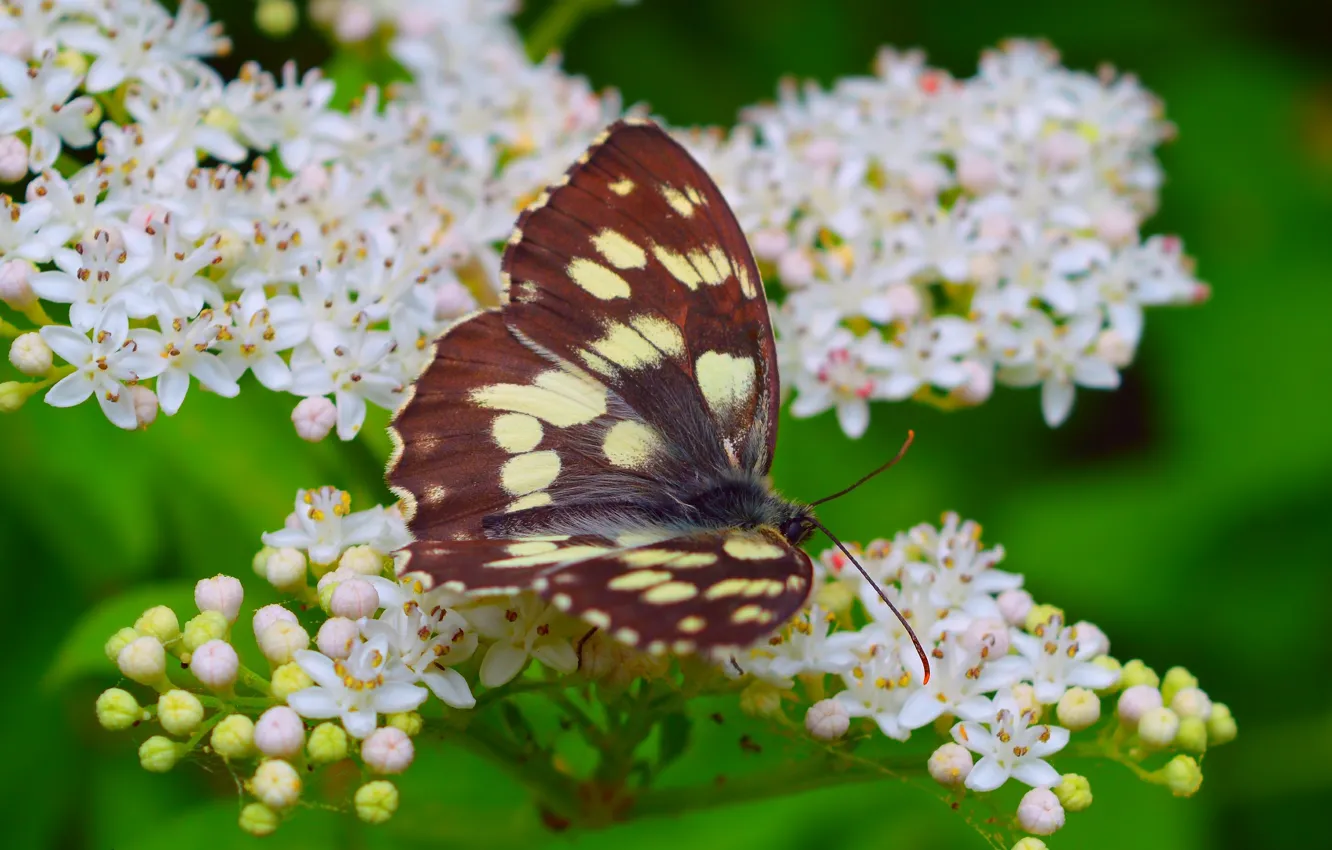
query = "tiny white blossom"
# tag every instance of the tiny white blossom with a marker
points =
(959, 680)
(103, 365)
(522, 627)
(39, 101)
(323, 525)
(1060, 661)
(1010, 746)
(356, 690)
(877, 688)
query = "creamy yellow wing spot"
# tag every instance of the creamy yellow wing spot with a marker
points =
(532, 500)
(630, 444)
(627, 635)
(691, 625)
(597, 280)
(751, 614)
(527, 473)
(677, 200)
(726, 587)
(707, 270)
(516, 432)
(530, 547)
(720, 261)
(562, 601)
(662, 333)
(727, 381)
(557, 396)
(621, 187)
(670, 592)
(434, 494)
(648, 557)
(752, 549)
(596, 617)
(639, 580)
(626, 347)
(695, 196)
(619, 250)
(764, 587)
(567, 555)
(746, 284)
(678, 267)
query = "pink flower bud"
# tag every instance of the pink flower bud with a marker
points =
(1137, 701)
(1040, 813)
(827, 720)
(270, 614)
(1114, 348)
(452, 300)
(824, 150)
(950, 765)
(795, 268)
(215, 664)
(1091, 638)
(220, 593)
(1117, 224)
(314, 417)
(354, 598)
(279, 732)
(13, 159)
(988, 637)
(903, 300)
(978, 384)
(770, 242)
(145, 405)
(143, 660)
(388, 750)
(976, 172)
(336, 637)
(14, 287)
(354, 23)
(1014, 605)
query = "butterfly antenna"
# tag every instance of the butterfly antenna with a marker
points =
(920, 650)
(911, 435)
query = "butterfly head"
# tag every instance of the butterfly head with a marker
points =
(797, 527)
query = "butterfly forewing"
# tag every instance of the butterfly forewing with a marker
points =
(632, 366)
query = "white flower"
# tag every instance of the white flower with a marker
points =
(877, 688)
(522, 627)
(844, 373)
(292, 116)
(806, 646)
(1060, 661)
(355, 690)
(323, 525)
(183, 346)
(103, 365)
(260, 328)
(927, 354)
(140, 40)
(38, 100)
(96, 275)
(428, 644)
(1010, 746)
(959, 680)
(1057, 358)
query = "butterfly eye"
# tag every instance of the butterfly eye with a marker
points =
(796, 529)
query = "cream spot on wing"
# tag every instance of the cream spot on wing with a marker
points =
(540, 584)
(726, 587)
(764, 587)
(751, 614)
(626, 635)
(531, 500)
(695, 196)
(707, 270)
(795, 584)
(567, 555)
(631, 539)
(649, 557)
(630, 444)
(694, 559)
(619, 250)
(597, 363)
(562, 601)
(530, 547)
(752, 549)
(662, 333)
(670, 592)
(596, 617)
(527, 473)
(746, 284)
(597, 279)
(638, 580)
(626, 347)
(677, 200)
(683, 647)
(678, 266)
(656, 647)
(557, 396)
(434, 494)
(516, 432)
(622, 187)
(721, 261)
(691, 625)
(727, 381)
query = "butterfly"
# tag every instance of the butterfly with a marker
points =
(604, 437)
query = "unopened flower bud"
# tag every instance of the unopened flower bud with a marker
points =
(119, 641)
(362, 560)
(30, 354)
(1090, 638)
(289, 678)
(15, 394)
(118, 709)
(388, 750)
(159, 754)
(270, 614)
(220, 593)
(452, 300)
(1114, 348)
(1025, 697)
(179, 712)
(314, 417)
(976, 172)
(145, 406)
(1191, 702)
(336, 637)
(1116, 225)
(795, 268)
(1040, 812)
(1014, 605)
(354, 23)
(276, 784)
(410, 722)
(1158, 727)
(760, 699)
(770, 242)
(13, 159)
(1030, 843)
(281, 641)
(233, 737)
(354, 599)
(276, 18)
(15, 290)
(215, 664)
(143, 660)
(285, 568)
(1176, 679)
(950, 765)
(1182, 776)
(1192, 735)
(1074, 792)
(1137, 673)
(1078, 708)
(1136, 701)
(201, 628)
(1042, 616)
(988, 637)
(159, 622)
(1221, 727)
(376, 801)
(279, 732)
(259, 820)
(328, 743)
(827, 720)
(259, 563)
(975, 388)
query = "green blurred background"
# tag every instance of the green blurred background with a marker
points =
(1187, 514)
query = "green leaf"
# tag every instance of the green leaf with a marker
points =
(82, 652)
(675, 734)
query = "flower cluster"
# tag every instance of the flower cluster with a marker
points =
(930, 235)
(184, 228)
(1011, 682)
(934, 235)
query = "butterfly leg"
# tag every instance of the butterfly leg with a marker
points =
(582, 641)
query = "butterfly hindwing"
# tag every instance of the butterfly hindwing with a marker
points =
(711, 589)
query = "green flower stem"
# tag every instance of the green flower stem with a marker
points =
(553, 790)
(525, 687)
(202, 731)
(68, 165)
(232, 704)
(254, 681)
(554, 27)
(8, 330)
(35, 314)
